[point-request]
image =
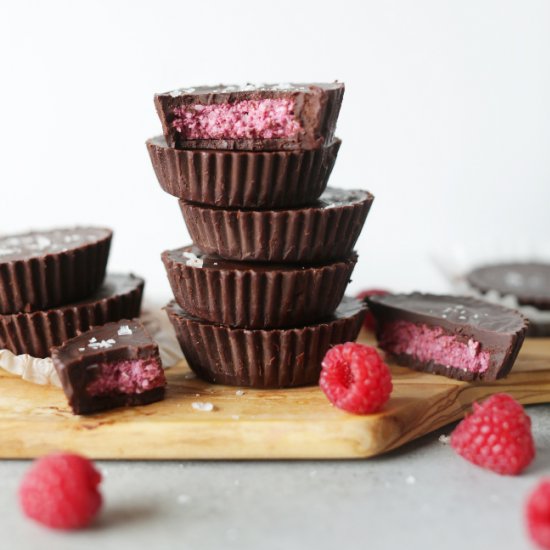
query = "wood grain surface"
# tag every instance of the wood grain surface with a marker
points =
(268, 424)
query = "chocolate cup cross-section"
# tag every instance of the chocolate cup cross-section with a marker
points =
(457, 336)
(289, 116)
(114, 365)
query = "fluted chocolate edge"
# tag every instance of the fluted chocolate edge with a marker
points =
(242, 296)
(36, 332)
(260, 358)
(231, 179)
(53, 279)
(311, 235)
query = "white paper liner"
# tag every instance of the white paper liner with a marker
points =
(42, 371)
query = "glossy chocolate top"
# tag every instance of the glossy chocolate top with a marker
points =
(449, 312)
(248, 89)
(192, 256)
(528, 282)
(125, 339)
(54, 241)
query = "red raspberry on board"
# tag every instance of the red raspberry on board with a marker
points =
(355, 379)
(61, 491)
(496, 436)
(537, 514)
(370, 322)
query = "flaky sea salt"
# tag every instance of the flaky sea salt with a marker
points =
(103, 344)
(124, 330)
(445, 439)
(193, 260)
(202, 406)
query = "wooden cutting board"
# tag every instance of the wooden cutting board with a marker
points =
(292, 424)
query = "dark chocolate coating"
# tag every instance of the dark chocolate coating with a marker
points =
(255, 295)
(45, 269)
(243, 179)
(317, 106)
(35, 333)
(323, 232)
(528, 282)
(499, 330)
(75, 360)
(278, 358)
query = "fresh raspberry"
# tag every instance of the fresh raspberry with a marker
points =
(355, 378)
(537, 514)
(497, 436)
(370, 322)
(60, 491)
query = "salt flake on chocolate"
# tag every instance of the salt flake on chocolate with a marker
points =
(124, 330)
(193, 260)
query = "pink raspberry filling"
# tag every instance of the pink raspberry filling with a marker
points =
(247, 119)
(426, 344)
(127, 377)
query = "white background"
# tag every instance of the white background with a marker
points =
(446, 117)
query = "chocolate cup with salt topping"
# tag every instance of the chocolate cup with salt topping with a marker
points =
(45, 269)
(255, 295)
(243, 179)
(456, 336)
(309, 122)
(114, 365)
(325, 231)
(35, 333)
(277, 358)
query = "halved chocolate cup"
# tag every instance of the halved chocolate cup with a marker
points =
(278, 358)
(114, 365)
(309, 123)
(323, 232)
(243, 179)
(35, 333)
(45, 269)
(255, 295)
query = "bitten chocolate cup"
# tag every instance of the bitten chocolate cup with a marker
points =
(323, 232)
(35, 333)
(45, 269)
(255, 295)
(252, 117)
(243, 179)
(278, 358)
(114, 365)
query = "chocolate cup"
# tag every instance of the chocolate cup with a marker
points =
(35, 333)
(320, 233)
(233, 179)
(76, 363)
(316, 107)
(263, 358)
(253, 295)
(54, 276)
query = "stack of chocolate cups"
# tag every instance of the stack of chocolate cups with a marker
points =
(53, 285)
(259, 296)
